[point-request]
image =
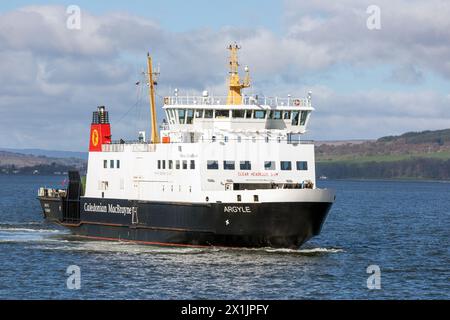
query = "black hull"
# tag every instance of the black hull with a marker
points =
(51, 209)
(280, 225)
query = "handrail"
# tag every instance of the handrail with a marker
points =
(110, 146)
(246, 100)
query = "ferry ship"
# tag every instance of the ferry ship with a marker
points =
(228, 171)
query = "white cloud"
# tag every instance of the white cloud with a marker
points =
(51, 78)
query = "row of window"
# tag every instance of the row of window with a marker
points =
(214, 165)
(186, 116)
(112, 164)
(229, 165)
(246, 165)
(176, 164)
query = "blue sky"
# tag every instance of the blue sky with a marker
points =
(365, 83)
(179, 15)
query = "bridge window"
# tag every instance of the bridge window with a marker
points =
(170, 164)
(228, 165)
(164, 164)
(269, 165)
(199, 113)
(185, 165)
(118, 164)
(111, 164)
(275, 114)
(212, 164)
(286, 115)
(192, 164)
(286, 165)
(260, 114)
(177, 165)
(209, 114)
(181, 115)
(238, 113)
(295, 115)
(303, 117)
(105, 164)
(159, 164)
(222, 113)
(302, 165)
(189, 116)
(245, 165)
(248, 114)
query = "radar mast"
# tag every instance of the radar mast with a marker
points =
(235, 85)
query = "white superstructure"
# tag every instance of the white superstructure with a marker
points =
(248, 149)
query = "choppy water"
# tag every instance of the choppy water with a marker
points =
(403, 227)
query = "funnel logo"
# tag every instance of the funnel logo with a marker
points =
(95, 137)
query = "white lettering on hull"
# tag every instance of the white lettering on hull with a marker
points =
(237, 209)
(110, 208)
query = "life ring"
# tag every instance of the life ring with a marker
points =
(297, 102)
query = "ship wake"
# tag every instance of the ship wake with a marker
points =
(27, 232)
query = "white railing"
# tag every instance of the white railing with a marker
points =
(246, 100)
(119, 146)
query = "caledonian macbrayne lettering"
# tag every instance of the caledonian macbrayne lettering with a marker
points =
(110, 208)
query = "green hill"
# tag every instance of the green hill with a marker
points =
(413, 155)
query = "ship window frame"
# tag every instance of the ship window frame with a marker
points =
(255, 115)
(283, 168)
(249, 114)
(159, 165)
(170, 164)
(118, 164)
(105, 164)
(198, 113)
(192, 165)
(229, 165)
(302, 165)
(235, 114)
(242, 165)
(286, 115)
(276, 114)
(177, 164)
(212, 164)
(222, 114)
(185, 165)
(295, 117)
(174, 116)
(303, 117)
(208, 114)
(183, 119)
(272, 165)
(111, 164)
(189, 118)
(164, 164)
